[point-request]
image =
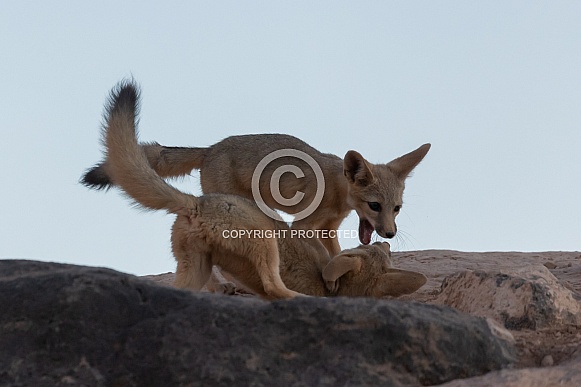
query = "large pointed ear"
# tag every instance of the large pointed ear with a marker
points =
(339, 266)
(356, 169)
(398, 282)
(402, 166)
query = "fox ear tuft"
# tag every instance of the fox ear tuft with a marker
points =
(403, 165)
(356, 169)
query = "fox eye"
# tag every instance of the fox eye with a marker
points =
(374, 206)
(396, 208)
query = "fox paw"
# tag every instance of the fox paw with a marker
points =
(226, 288)
(332, 286)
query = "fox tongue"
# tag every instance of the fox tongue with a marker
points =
(365, 231)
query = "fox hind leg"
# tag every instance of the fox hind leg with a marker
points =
(218, 284)
(268, 266)
(193, 270)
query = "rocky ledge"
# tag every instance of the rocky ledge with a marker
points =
(72, 325)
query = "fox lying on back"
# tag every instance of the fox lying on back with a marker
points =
(374, 191)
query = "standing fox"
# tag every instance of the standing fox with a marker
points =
(374, 191)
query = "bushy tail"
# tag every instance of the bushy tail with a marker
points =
(129, 167)
(167, 161)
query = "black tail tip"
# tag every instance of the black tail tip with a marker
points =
(96, 178)
(124, 96)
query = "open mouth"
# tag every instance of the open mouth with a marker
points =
(365, 231)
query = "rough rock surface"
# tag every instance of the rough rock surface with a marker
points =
(520, 297)
(564, 375)
(438, 264)
(72, 325)
(559, 345)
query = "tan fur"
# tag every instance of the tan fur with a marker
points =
(366, 270)
(350, 184)
(198, 234)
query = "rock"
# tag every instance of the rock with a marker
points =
(528, 297)
(65, 324)
(547, 361)
(563, 375)
(438, 264)
(550, 265)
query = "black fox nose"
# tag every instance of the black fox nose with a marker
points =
(389, 235)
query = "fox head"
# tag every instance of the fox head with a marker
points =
(375, 191)
(366, 271)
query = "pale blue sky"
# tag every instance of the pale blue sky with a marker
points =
(495, 87)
